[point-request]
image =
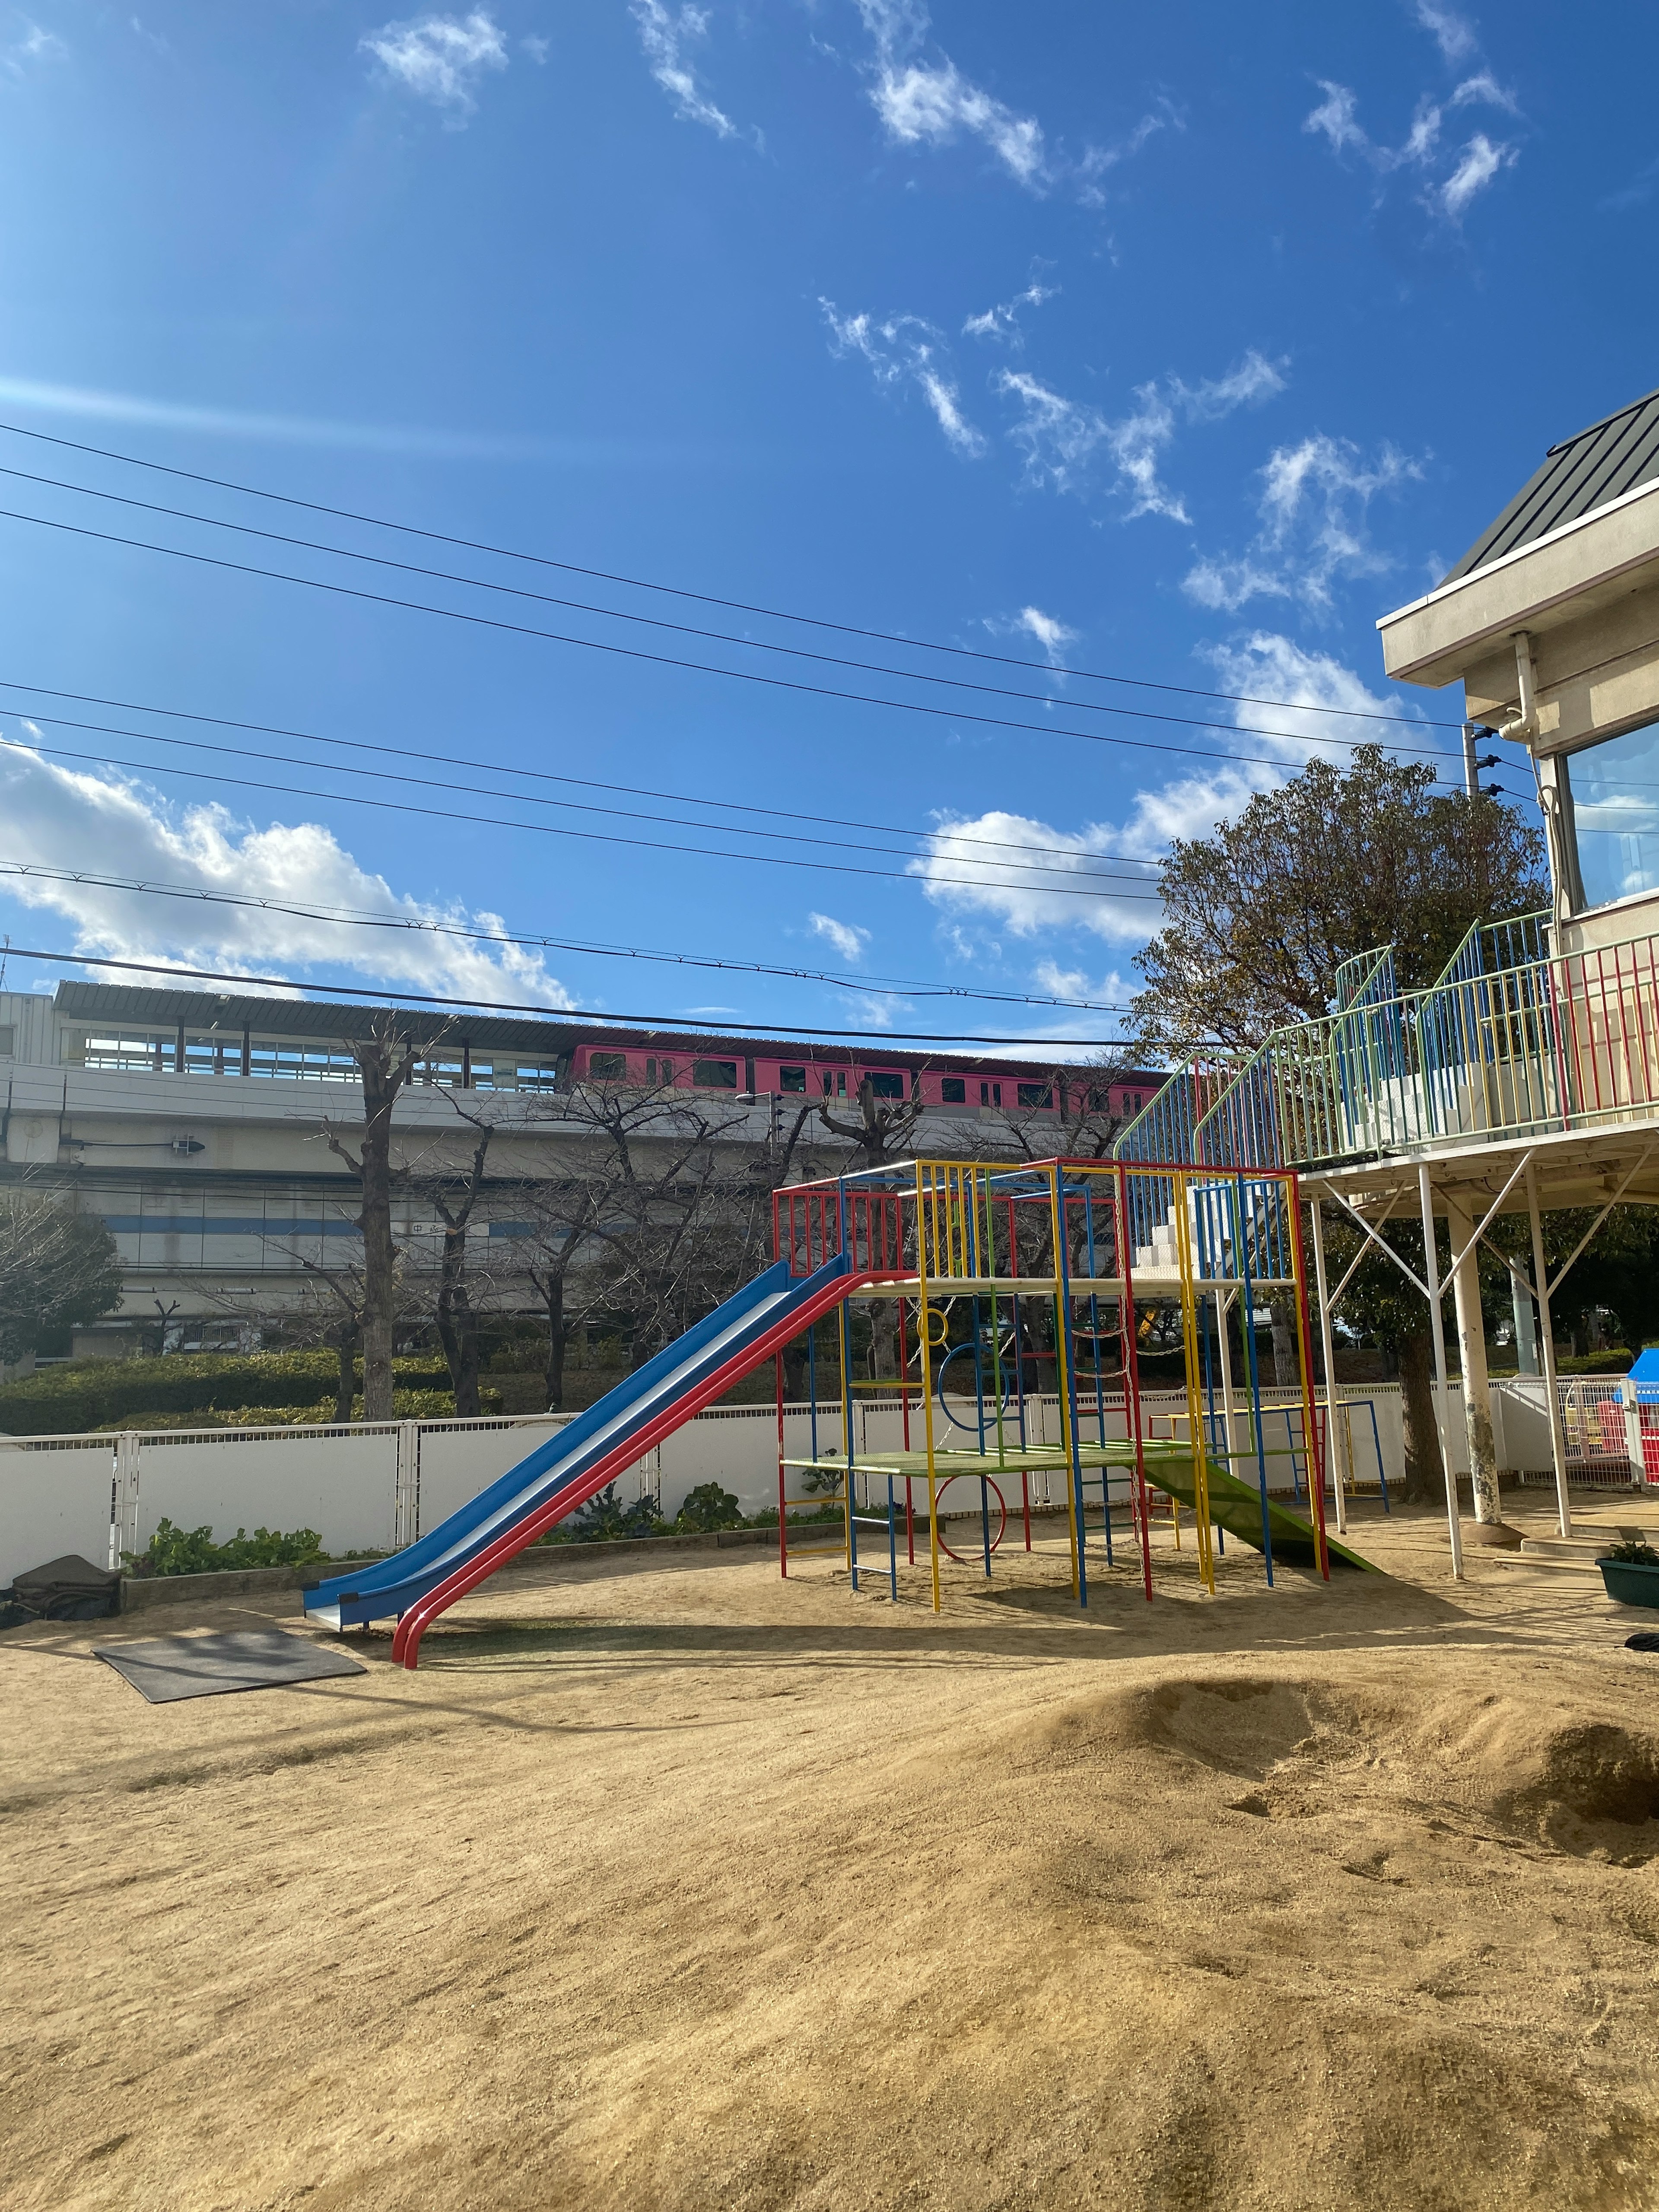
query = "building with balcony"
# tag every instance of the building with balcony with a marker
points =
(1525, 1077)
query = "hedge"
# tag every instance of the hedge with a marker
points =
(88, 1394)
(406, 1406)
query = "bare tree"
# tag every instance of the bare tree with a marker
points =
(385, 1062)
(885, 1127)
(455, 1200)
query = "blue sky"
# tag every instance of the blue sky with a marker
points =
(1176, 345)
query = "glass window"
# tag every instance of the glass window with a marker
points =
(1035, 1094)
(215, 1053)
(953, 1090)
(885, 1085)
(715, 1074)
(1610, 795)
(536, 1078)
(792, 1079)
(125, 1055)
(607, 1066)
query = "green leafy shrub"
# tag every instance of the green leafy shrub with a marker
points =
(708, 1508)
(192, 1550)
(605, 1520)
(406, 1406)
(1632, 1552)
(92, 1394)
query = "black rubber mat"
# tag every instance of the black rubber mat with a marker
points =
(164, 1668)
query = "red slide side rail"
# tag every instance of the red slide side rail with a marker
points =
(406, 1642)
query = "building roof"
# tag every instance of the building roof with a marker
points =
(1584, 472)
(307, 1018)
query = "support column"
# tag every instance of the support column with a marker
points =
(1471, 1353)
(1442, 1388)
(1525, 1334)
(1327, 1352)
(1547, 1353)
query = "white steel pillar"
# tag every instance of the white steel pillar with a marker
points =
(1472, 1353)
(1547, 1359)
(1442, 1388)
(1329, 1351)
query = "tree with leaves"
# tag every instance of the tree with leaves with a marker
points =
(58, 1268)
(1336, 861)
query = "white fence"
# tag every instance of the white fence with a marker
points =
(372, 1487)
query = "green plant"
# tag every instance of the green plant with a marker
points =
(192, 1550)
(707, 1507)
(1632, 1552)
(605, 1520)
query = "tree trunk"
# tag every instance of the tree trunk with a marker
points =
(346, 1388)
(1286, 1374)
(457, 1323)
(1426, 1482)
(384, 1067)
(558, 1338)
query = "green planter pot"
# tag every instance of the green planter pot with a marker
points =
(1629, 1584)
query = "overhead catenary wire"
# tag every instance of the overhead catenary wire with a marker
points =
(562, 830)
(518, 940)
(676, 1025)
(671, 660)
(679, 592)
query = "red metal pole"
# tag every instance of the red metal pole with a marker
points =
(783, 1509)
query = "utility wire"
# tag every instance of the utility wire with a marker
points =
(535, 775)
(659, 623)
(701, 667)
(700, 598)
(421, 925)
(585, 806)
(559, 829)
(658, 1024)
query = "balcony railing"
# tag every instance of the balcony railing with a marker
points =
(1500, 1046)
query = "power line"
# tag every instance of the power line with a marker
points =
(658, 622)
(700, 667)
(674, 591)
(534, 775)
(559, 829)
(421, 925)
(585, 806)
(659, 1024)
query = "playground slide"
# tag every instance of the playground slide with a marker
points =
(1236, 1506)
(563, 1474)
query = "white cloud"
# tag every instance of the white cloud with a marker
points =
(847, 937)
(931, 103)
(538, 48)
(55, 817)
(1336, 120)
(1002, 321)
(1097, 160)
(1453, 34)
(441, 58)
(34, 45)
(1482, 161)
(905, 349)
(1062, 438)
(664, 37)
(1317, 707)
(1314, 497)
(1051, 634)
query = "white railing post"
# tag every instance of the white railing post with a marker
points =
(1437, 1330)
(1633, 1432)
(123, 1498)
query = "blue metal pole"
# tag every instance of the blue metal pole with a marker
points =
(1241, 1246)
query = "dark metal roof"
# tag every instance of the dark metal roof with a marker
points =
(1584, 472)
(307, 1018)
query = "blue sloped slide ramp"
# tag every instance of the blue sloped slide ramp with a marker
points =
(727, 1339)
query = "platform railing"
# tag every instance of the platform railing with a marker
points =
(1551, 1042)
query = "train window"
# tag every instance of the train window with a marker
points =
(607, 1066)
(835, 1082)
(953, 1090)
(1035, 1094)
(990, 1094)
(886, 1086)
(792, 1079)
(715, 1074)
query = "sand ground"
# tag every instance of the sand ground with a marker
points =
(666, 1884)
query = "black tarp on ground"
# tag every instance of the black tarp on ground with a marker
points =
(69, 1589)
(164, 1668)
